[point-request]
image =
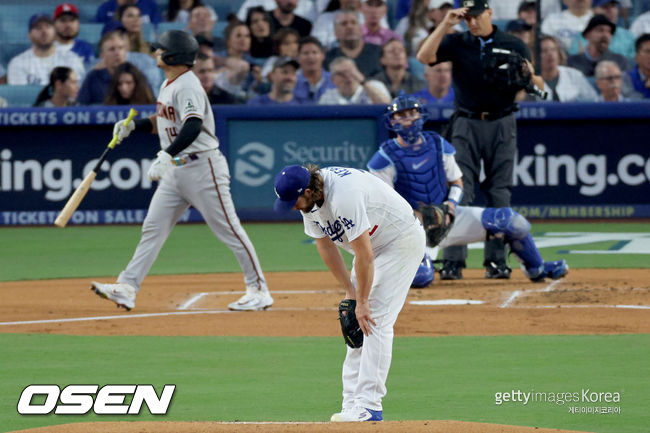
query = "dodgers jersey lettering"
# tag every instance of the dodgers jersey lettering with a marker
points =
(355, 202)
(178, 100)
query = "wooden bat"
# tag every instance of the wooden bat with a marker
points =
(84, 186)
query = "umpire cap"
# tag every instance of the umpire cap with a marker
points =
(180, 47)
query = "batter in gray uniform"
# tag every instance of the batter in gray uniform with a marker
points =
(191, 172)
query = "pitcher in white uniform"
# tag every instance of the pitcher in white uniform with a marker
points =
(191, 172)
(358, 212)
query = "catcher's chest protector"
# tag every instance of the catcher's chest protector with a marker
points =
(420, 173)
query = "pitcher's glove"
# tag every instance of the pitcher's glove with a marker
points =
(352, 333)
(434, 219)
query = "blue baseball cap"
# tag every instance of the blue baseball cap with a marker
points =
(601, 3)
(39, 18)
(290, 183)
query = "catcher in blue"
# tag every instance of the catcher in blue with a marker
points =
(420, 165)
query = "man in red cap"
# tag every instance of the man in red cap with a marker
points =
(66, 24)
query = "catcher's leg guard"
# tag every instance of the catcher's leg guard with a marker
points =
(425, 273)
(516, 229)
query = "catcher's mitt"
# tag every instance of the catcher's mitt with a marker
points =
(434, 219)
(352, 333)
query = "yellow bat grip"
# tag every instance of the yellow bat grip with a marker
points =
(132, 113)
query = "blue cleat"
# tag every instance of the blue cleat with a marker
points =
(554, 270)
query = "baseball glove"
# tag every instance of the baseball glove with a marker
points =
(352, 333)
(434, 219)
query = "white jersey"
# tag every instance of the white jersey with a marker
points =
(355, 202)
(27, 68)
(178, 100)
(565, 26)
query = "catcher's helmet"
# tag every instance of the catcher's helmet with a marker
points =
(180, 47)
(404, 102)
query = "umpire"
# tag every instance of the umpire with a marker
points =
(483, 127)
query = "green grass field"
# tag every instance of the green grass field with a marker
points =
(298, 379)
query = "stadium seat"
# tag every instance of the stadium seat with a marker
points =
(90, 32)
(20, 96)
(164, 26)
(219, 27)
(149, 32)
(12, 49)
(224, 7)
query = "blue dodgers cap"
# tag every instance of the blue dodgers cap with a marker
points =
(39, 18)
(290, 183)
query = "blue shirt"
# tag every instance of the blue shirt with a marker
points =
(265, 100)
(638, 83)
(84, 50)
(303, 92)
(426, 97)
(148, 11)
(94, 88)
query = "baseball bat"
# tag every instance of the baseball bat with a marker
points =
(84, 186)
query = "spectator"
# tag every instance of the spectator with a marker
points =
(112, 53)
(641, 25)
(129, 16)
(3, 102)
(622, 40)
(527, 11)
(640, 75)
(283, 16)
(285, 44)
(206, 46)
(128, 87)
(304, 8)
(414, 27)
(609, 80)
(567, 24)
(373, 32)
(509, 10)
(438, 85)
(34, 65)
(204, 69)
(258, 21)
(238, 74)
(394, 74)
(352, 87)
(178, 11)
(522, 30)
(324, 26)
(563, 84)
(598, 33)
(62, 89)
(313, 79)
(66, 25)
(283, 78)
(350, 39)
(148, 9)
(201, 22)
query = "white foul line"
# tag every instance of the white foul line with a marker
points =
(512, 297)
(144, 315)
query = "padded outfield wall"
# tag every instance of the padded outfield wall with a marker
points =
(573, 161)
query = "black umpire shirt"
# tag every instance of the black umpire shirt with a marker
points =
(473, 91)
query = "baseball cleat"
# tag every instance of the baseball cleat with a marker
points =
(357, 414)
(498, 271)
(555, 270)
(253, 301)
(121, 293)
(451, 270)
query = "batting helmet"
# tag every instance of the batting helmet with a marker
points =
(180, 47)
(404, 102)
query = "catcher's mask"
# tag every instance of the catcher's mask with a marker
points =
(409, 134)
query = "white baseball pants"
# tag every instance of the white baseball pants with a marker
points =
(365, 370)
(205, 184)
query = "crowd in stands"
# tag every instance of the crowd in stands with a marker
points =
(328, 52)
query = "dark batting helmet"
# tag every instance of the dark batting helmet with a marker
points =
(180, 47)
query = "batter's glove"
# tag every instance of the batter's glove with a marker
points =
(160, 165)
(123, 130)
(434, 219)
(352, 333)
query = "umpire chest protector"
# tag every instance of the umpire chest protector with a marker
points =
(420, 171)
